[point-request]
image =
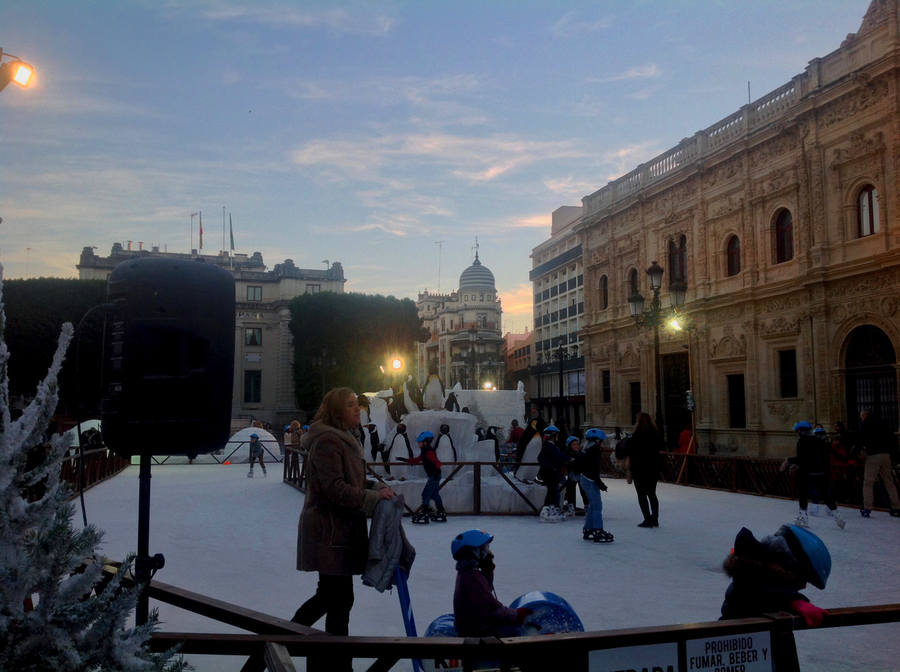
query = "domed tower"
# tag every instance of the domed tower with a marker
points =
(466, 342)
(477, 277)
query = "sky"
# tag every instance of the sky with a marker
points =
(387, 136)
(234, 538)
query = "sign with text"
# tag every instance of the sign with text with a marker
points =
(748, 652)
(650, 658)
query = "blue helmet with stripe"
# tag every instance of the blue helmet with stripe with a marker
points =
(425, 436)
(802, 424)
(551, 429)
(595, 434)
(812, 550)
(469, 539)
(570, 440)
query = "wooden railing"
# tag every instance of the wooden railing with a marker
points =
(99, 465)
(276, 640)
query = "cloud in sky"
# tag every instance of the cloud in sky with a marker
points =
(355, 21)
(645, 71)
(518, 304)
(570, 25)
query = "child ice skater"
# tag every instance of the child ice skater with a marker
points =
(587, 463)
(432, 490)
(767, 574)
(476, 609)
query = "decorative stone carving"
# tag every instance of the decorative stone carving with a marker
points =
(773, 182)
(628, 358)
(859, 146)
(728, 347)
(861, 98)
(766, 153)
(780, 326)
(780, 304)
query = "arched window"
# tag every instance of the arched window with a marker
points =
(867, 211)
(784, 237)
(604, 293)
(678, 261)
(632, 283)
(733, 256)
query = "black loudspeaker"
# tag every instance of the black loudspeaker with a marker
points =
(169, 357)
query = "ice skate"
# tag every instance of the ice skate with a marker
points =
(250, 474)
(601, 536)
(802, 519)
(568, 510)
(551, 514)
(865, 513)
(438, 517)
(837, 518)
(587, 534)
(420, 517)
(895, 513)
(265, 473)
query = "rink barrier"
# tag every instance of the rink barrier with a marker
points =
(100, 464)
(746, 475)
(275, 640)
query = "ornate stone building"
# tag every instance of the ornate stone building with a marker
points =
(263, 345)
(466, 343)
(782, 219)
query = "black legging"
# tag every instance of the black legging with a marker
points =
(646, 494)
(333, 599)
(805, 483)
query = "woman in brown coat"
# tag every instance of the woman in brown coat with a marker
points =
(332, 538)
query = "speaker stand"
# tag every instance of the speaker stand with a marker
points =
(144, 565)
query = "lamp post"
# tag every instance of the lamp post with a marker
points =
(15, 70)
(651, 318)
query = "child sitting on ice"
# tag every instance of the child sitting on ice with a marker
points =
(432, 490)
(476, 609)
(767, 574)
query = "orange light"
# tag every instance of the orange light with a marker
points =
(22, 73)
(396, 363)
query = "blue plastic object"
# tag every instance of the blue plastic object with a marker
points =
(595, 434)
(425, 436)
(817, 553)
(473, 538)
(409, 621)
(442, 626)
(803, 424)
(551, 429)
(551, 612)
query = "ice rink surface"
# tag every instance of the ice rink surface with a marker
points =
(234, 539)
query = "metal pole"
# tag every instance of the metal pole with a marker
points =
(142, 561)
(660, 418)
(560, 421)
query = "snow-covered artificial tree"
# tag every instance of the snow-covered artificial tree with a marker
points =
(51, 615)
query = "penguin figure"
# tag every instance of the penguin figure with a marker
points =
(442, 439)
(433, 393)
(492, 436)
(451, 404)
(377, 447)
(401, 432)
(410, 392)
(534, 428)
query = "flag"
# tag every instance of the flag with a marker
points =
(201, 229)
(230, 232)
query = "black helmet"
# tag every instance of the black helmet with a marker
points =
(514, 423)
(445, 429)
(401, 428)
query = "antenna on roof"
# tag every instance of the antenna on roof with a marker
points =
(748, 91)
(476, 248)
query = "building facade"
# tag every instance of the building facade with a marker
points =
(466, 345)
(518, 357)
(557, 382)
(263, 346)
(782, 220)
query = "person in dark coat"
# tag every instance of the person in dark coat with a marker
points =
(332, 538)
(588, 464)
(880, 445)
(812, 472)
(643, 452)
(476, 610)
(552, 461)
(432, 491)
(767, 574)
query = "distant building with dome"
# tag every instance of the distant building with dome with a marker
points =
(466, 343)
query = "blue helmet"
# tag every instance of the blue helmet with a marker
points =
(305, 428)
(803, 424)
(551, 429)
(570, 440)
(254, 436)
(425, 436)
(819, 430)
(469, 538)
(813, 549)
(595, 434)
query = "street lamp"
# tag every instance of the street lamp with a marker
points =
(652, 318)
(15, 70)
